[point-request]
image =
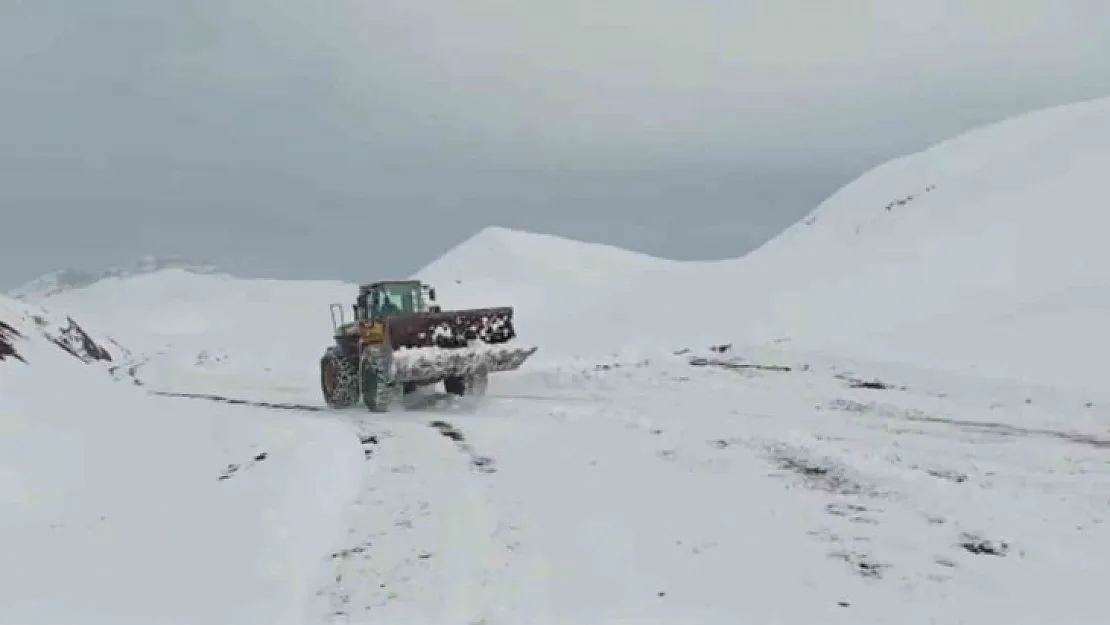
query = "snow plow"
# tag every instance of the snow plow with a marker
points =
(400, 339)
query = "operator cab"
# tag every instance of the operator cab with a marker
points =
(389, 299)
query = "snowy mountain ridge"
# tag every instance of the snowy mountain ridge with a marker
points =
(64, 280)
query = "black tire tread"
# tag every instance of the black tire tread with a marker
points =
(345, 394)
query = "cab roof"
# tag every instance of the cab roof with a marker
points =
(388, 282)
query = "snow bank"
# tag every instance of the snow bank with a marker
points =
(118, 507)
(984, 253)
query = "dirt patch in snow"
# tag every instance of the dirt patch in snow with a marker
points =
(481, 464)
(722, 357)
(736, 364)
(873, 384)
(234, 468)
(817, 473)
(850, 504)
(977, 545)
(989, 427)
(861, 563)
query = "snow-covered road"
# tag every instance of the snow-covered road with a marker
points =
(658, 491)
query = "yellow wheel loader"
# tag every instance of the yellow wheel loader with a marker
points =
(400, 339)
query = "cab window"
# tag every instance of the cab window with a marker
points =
(397, 299)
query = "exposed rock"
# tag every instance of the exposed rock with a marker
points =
(76, 341)
(8, 335)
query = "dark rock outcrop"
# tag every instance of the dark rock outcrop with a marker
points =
(76, 341)
(8, 335)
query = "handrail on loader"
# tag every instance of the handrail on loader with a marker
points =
(335, 324)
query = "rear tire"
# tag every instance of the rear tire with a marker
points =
(338, 379)
(473, 384)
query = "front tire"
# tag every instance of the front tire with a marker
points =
(338, 380)
(377, 394)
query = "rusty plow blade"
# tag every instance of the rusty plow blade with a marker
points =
(429, 363)
(432, 346)
(453, 328)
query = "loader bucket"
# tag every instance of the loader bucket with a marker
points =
(430, 346)
(452, 328)
(433, 363)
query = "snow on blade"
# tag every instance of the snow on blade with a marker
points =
(424, 363)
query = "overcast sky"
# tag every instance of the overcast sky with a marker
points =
(359, 139)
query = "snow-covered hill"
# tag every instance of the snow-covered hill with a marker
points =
(983, 253)
(590, 296)
(69, 279)
(114, 505)
(837, 464)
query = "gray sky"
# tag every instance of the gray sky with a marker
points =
(357, 139)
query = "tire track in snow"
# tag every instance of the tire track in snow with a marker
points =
(244, 402)
(424, 537)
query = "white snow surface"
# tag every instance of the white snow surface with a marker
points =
(909, 427)
(112, 510)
